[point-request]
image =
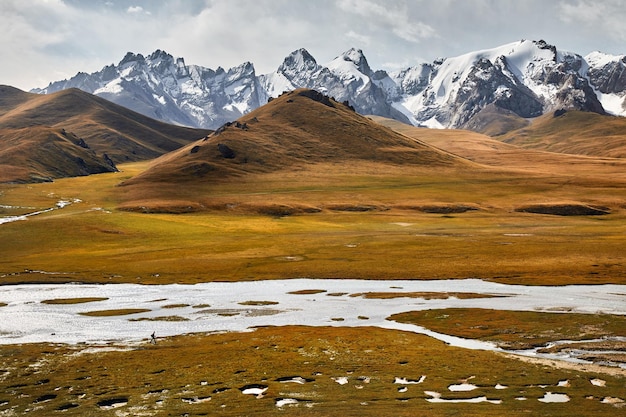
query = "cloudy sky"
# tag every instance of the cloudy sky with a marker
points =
(49, 40)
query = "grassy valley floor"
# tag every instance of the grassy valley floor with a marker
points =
(320, 224)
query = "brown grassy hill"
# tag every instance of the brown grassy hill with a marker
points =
(297, 129)
(41, 153)
(573, 132)
(82, 127)
(301, 140)
(491, 152)
(494, 121)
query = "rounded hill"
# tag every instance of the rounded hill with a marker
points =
(70, 133)
(299, 128)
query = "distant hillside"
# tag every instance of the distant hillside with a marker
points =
(573, 132)
(299, 130)
(71, 133)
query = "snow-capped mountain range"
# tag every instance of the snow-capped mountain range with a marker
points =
(527, 78)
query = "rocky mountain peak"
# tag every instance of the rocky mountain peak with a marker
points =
(130, 58)
(541, 44)
(299, 59)
(160, 54)
(526, 78)
(357, 57)
(245, 69)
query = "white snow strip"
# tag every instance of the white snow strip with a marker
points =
(59, 205)
(462, 387)
(436, 398)
(286, 401)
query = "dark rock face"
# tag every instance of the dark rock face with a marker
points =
(317, 96)
(576, 93)
(487, 84)
(109, 161)
(225, 151)
(611, 78)
(81, 142)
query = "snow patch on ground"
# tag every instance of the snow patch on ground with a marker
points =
(27, 320)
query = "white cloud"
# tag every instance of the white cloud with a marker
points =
(389, 16)
(46, 40)
(138, 10)
(134, 9)
(361, 39)
(605, 17)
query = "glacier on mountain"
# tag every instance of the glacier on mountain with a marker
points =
(527, 78)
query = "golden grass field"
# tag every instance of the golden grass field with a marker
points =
(410, 229)
(320, 219)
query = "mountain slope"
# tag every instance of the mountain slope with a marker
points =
(525, 79)
(70, 133)
(302, 130)
(573, 132)
(42, 153)
(165, 88)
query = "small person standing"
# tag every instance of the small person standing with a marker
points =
(153, 338)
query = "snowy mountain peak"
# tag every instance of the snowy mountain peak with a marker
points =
(356, 58)
(607, 74)
(159, 54)
(527, 78)
(599, 59)
(245, 69)
(299, 59)
(130, 58)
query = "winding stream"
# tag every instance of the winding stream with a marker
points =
(59, 205)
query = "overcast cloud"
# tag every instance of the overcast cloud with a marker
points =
(48, 40)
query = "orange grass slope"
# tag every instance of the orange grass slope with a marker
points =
(29, 123)
(41, 153)
(573, 132)
(299, 130)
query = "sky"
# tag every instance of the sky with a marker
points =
(49, 40)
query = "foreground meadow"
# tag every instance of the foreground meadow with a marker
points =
(295, 371)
